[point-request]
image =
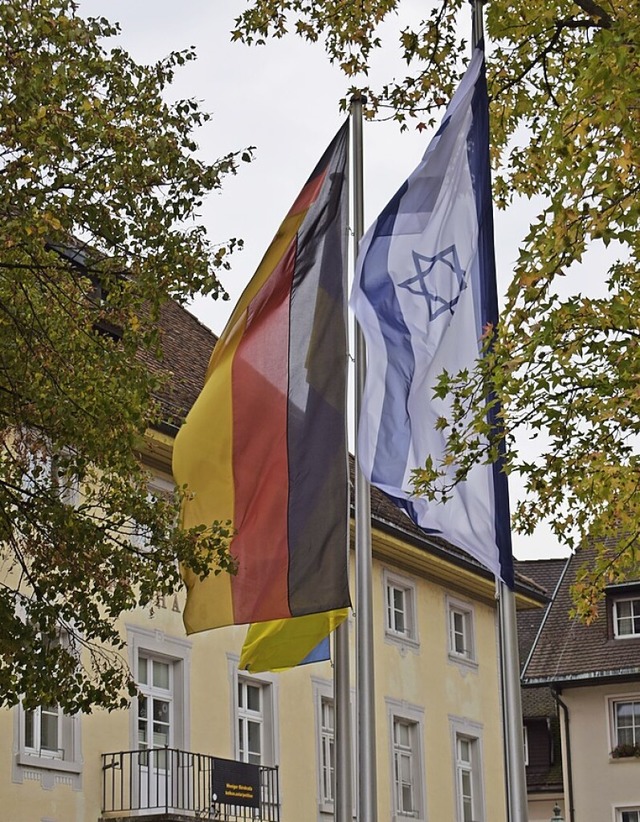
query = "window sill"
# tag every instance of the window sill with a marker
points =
(401, 641)
(463, 661)
(48, 763)
(615, 759)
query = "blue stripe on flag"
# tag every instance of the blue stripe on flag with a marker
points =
(479, 163)
(321, 653)
(393, 445)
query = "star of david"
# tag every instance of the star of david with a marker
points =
(434, 279)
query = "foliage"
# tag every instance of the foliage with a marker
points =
(100, 184)
(626, 750)
(564, 81)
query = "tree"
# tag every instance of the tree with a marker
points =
(564, 82)
(100, 184)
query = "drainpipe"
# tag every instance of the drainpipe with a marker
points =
(567, 738)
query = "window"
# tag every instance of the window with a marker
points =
(161, 665)
(464, 777)
(250, 722)
(630, 815)
(254, 715)
(155, 703)
(626, 723)
(47, 738)
(400, 609)
(46, 471)
(404, 767)
(325, 716)
(468, 781)
(405, 728)
(159, 720)
(461, 635)
(626, 617)
(525, 742)
(327, 751)
(43, 731)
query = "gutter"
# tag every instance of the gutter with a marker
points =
(567, 736)
(587, 677)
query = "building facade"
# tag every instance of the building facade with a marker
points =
(437, 712)
(593, 672)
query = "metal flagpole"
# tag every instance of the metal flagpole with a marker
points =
(343, 799)
(342, 693)
(514, 742)
(365, 700)
(510, 667)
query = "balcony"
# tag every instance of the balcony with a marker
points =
(169, 785)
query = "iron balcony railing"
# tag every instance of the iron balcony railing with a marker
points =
(170, 781)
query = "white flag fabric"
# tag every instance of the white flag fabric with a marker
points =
(425, 289)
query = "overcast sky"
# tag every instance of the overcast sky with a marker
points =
(283, 99)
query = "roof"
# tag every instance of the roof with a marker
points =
(568, 651)
(186, 347)
(544, 573)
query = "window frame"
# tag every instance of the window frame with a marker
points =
(616, 618)
(630, 809)
(36, 749)
(412, 717)
(464, 609)
(323, 693)
(614, 730)
(465, 729)
(65, 759)
(408, 636)
(269, 702)
(152, 692)
(176, 651)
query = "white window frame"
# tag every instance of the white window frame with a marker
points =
(525, 742)
(464, 611)
(465, 729)
(177, 652)
(49, 767)
(323, 694)
(63, 764)
(633, 699)
(635, 809)
(248, 717)
(407, 634)
(158, 488)
(269, 710)
(36, 747)
(412, 717)
(632, 618)
(152, 692)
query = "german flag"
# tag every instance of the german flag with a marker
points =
(264, 445)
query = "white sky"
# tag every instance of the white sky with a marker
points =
(283, 99)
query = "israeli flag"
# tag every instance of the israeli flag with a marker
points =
(425, 289)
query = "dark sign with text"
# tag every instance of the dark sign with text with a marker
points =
(235, 783)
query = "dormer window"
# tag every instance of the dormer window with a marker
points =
(626, 617)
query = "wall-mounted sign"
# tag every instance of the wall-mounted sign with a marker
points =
(235, 783)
